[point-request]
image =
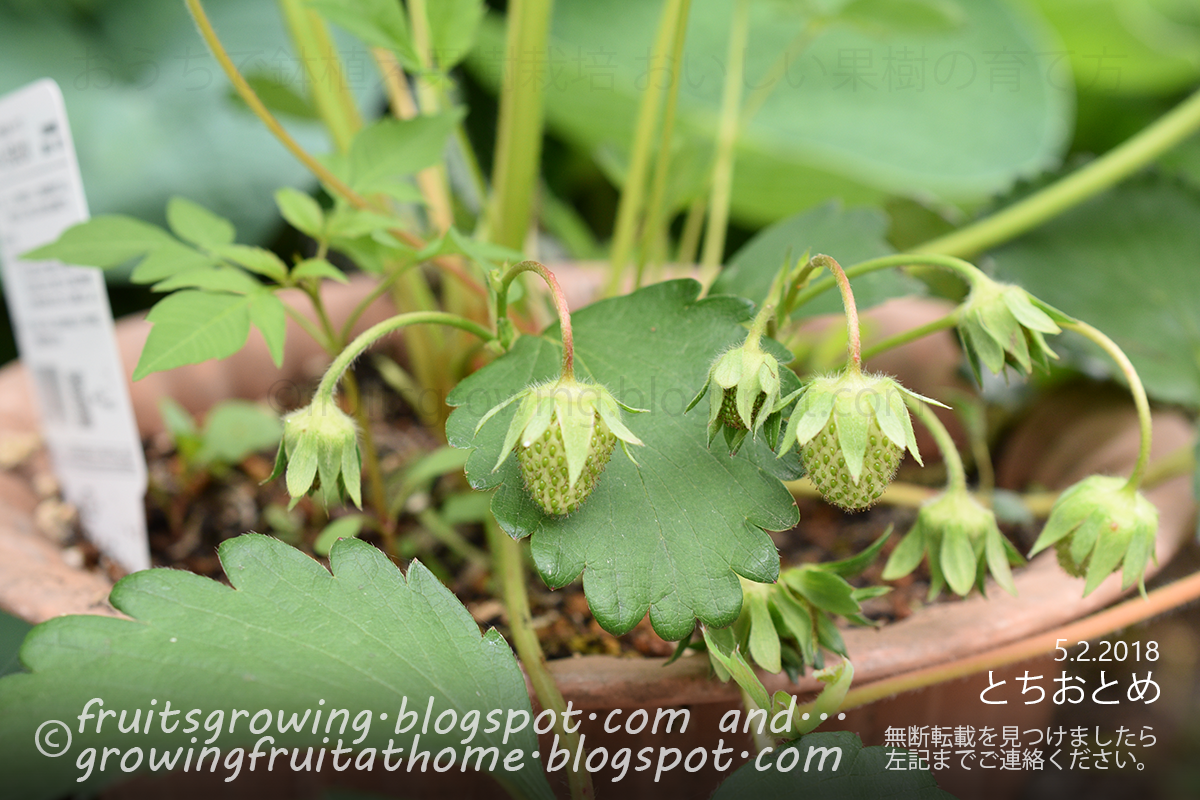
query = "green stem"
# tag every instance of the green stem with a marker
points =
(651, 230)
(968, 271)
(312, 330)
(370, 453)
(727, 130)
(799, 43)
(323, 69)
(1136, 389)
(323, 174)
(693, 226)
(560, 305)
(454, 541)
(911, 335)
(376, 332)
(1107, 170)
(854, 346)
(380, 288)
(762, 321)
(956, 476)
(519, 130)
(506, 555)
(251, 99)
(629, 207)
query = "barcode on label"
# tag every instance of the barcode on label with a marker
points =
(50, 392)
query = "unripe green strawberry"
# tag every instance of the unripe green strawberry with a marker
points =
(544, 467)
(564, 433)
(1002, 324)
(1098, 525)
(962, 541)
(826, 465)
(729, 411)
(852, 429)
(319, 453)
(742, 380)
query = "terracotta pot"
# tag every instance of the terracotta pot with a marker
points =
(36, 584)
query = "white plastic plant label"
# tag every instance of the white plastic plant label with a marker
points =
(64, 328)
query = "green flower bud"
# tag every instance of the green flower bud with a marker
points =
(852, 429)
(963, 543)
(564, 433)
(1003, 324)
(746, 381)
(320, 451)
(1096, 525)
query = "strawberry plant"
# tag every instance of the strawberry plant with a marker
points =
(533, 396)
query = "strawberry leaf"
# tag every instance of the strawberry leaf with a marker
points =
(289, 637)
(669, 537)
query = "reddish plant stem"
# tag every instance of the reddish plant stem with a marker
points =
(560, 304)
(855, 344)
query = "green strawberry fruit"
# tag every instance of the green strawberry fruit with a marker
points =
(852, 429)
(826, 465)
(564, 433)
(544, 467)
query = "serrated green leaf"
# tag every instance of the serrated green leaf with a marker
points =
(191, 326)
(168, 259)
(671, 536)
(825, 590)
(255, 259)
(268, 314)
(318, 268)
(393, 149)
(301, 211)
(105, 241)
(1124, 261)
(287, 636)
(452, 28)
(832, 766)
(848, 234)
(213, 279)
(379, 23)
(196, 224)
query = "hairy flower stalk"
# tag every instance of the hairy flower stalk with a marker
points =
(1103, 522)
(563, 431)
(852, 427)
(957, 532)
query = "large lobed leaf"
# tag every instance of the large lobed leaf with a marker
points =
(669, 536)
(1126, 263)
(954, 111)
(849, 235)
(286, 637)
